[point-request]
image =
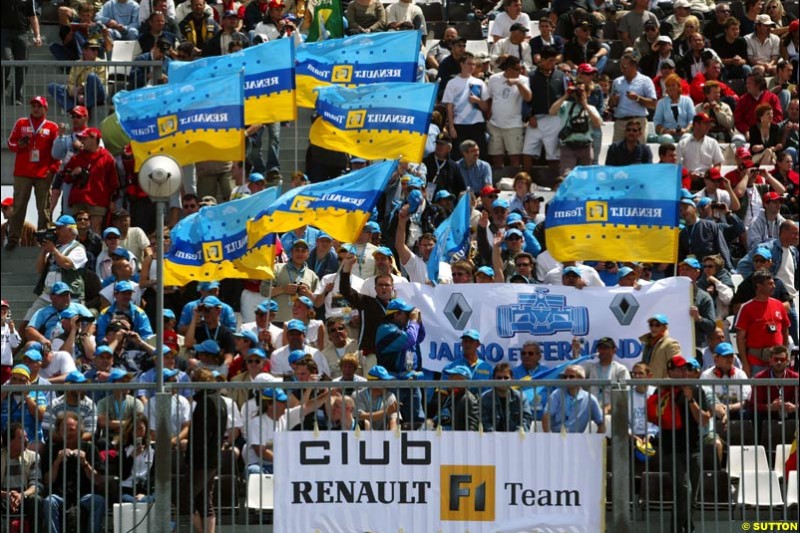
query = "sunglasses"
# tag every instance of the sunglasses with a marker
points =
(254, 361)
(571, 376)
(655, 324)
(340, 328)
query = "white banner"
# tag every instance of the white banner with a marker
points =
(445, 482)
(507, 315)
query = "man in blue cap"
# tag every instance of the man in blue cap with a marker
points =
(416, 264)
(730, 398)
(700, 237)
(292, 279)
(76, 401)
(295, 337)
(363, 249)
(44, 320)
(61, 259)
(658, 348)
(149, 376)
(124, 308)
(117, 407)
(206, 288)
(322, 258)
(378, 405)
(384, 266)
(268, 335)
(207, 324)
(461, 410)
(702, 309)
(470, 344)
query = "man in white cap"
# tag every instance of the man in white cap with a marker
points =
(763, 47)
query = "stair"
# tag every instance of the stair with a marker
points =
(18, 278)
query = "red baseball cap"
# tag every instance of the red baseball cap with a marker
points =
(79, 110)
(714, 174)
(4, 303)
(586, 68)
(743, 153)
(771, 196)
(748, 162)
(7, 202)
(702, 117)
(487, 190)
(90, 132)
(41, 100)
(275, 4)
(677, 361)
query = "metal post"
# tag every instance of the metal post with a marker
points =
(163, 455)
(621, 460)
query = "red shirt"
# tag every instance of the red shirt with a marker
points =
(33, 159)
(763, 395)
(101, 183)
(757, 319)
(744, 115)
(696, 89)
(659, 91)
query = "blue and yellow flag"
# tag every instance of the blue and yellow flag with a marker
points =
(357, 60)
(340, 206)
(452, 237)
(213, 243)
(617, 213)
(388, 120)
(269, 84)
(189, 121)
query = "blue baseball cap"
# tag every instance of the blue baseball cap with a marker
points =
(510, 233)
(415, 183)
(296, 355)
(624, 271)
(267, 305)
(372, 226)
(441, 195)
(75, 377)
(513, 218)
(379, 373)
(256, 177)
(207, 285)
(724, 349)
(123, 286)
(59, 287)
(501, 203)
(33, 355)
(169, 314)
(660, 318)
(104, 348)
(121, 252)
(398, 305)
(693, 363)
(692, 262)
(571, 270)
(704, 201)
(486, 271)
(763, 253)
(325, 236)
(471, 334)
(295, 325)
(458, 370)
(306, 301)
(383, 250)
(170, 373)
(274, 394)
(349, 248)
(207, 346)
(212, 301)
(117, 374)
(686, 194)
(68, 313)
(247, 334)
(111, 231)
(258, 352)
(65, 220)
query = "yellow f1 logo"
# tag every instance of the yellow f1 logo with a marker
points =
(467, 493)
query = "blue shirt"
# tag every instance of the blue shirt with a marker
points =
(573, 412)
(47, 318)
(666, 118)
(641, 85)
(480, 370)
(126, 13)
(290, 237)
(139, 321)
(226, 318)
(477, 176)
(150, 377)
(14, 411)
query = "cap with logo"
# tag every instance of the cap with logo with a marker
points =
(65, 220)
(211, 301)
(398, 305)
(111, 230)
(207, 346)
(486, 271)
(488, 191)
(267, 306)
(75, 377)
(724, 349)
(41, 100)
(90, 132)
(296, 355)
(677, 361)
(458, 370)
(21, 370)
(660, 318)
(295, 325)
(79, 111)
(379, 373)
(59, 287)
(206, 286)
(571, 270)
(276, 395)
(247, 334)
(692, 262)
(764, 253)
(471, 334)
(123, 286)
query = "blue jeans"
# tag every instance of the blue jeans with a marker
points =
(94, 93)
(255, 152)
(256, 468)
(90, 503)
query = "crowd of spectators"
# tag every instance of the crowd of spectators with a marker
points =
(691, 81)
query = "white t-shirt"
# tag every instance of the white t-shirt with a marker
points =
(108, 293)
(279, 361)
(180, 413)
(502, 24)
(368, 287)
(334, 301)
(506, 101)
(60, 364)
(588, 274)
(417, 271)
(261, 430)
(275, 331)
(75, 253)
(457, 93)
(10, 341)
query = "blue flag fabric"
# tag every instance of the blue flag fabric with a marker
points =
(452, 236)
(212, 244)
(340, 206)
(621, 213)
(269, 78)
(358, 60)
(190, 121)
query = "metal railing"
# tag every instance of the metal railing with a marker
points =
(733, 462)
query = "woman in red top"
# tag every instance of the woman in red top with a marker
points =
(784, 173)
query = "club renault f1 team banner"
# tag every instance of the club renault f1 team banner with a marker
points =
(388, 120)
(193, 121)
(552, 315)
(620, 213)
(339, 206)
(358, 60)
(212, 243)
(450, 482)
(269, 83)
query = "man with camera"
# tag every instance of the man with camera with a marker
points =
(123, 309)
(578, 119)
(63, 259)
(161, 50)
(32, 141)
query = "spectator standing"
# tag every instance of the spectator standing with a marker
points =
(466, 99)
(571, 408)
(92, 172)
(18, 20)
(507, 90)
(511, 14)
(64, 148)
(450, 66)
(631, 25)
(579, 119)
(32, 141)
(198, 27)
(658, 348)
(548, 84)
(632, 94)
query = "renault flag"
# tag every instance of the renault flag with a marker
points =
(340, 206)
(389, 120)
(357, 60)
(212, 244)
(621, 213)
(269, 83)
(193, 121)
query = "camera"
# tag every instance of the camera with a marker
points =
(47, 234)
(717, 205)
